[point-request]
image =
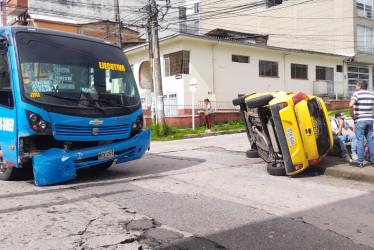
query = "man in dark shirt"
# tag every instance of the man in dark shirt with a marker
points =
(361, 109)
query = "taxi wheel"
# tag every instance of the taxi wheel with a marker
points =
(259, 101)
(102, 166)
(240, 100)
(276, 169)
(252, 153)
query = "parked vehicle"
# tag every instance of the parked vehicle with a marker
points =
(66, 102)
(289, 131)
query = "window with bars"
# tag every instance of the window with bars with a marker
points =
(299, 71)
(268, 68)
(365, 8)
(240, 59)
(356, 73)
(177, 63)
(324, 73)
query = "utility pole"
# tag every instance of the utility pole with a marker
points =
(4, 12)
(155, 63)
(118, 24)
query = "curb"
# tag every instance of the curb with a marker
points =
(213, 133)
(335, 167)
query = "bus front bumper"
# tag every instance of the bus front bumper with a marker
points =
(58, 165)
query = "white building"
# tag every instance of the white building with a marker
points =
(342, 27)
(226, 69)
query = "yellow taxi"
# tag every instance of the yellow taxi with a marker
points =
(289, 131)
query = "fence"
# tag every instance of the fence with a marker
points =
(186, 110)
(329, 89)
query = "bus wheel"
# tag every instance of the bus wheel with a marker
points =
(7, 173)
(102, 166)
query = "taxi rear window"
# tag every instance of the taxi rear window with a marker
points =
(319, 125)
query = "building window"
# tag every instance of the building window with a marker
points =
(299, 71)
(240, 59)
(197, 8)
(356, 73)
(177, 63)
(271, 3)
(197, 27)
(267, 68)
(364, 39)
(339, 68)
(324, 73)
(182, 13)
(365, 8)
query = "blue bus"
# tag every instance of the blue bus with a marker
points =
(66, 102)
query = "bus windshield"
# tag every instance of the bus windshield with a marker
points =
(69, 71)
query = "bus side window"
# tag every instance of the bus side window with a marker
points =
(6, 95)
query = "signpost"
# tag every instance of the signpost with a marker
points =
(193, 87)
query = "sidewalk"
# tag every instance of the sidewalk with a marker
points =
(336, 167)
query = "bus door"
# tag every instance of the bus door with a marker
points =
(8, 129)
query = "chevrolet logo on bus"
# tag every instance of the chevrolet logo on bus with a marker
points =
(96, 122)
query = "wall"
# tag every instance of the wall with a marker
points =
(107, 31)
(56, 26)
(325, 26)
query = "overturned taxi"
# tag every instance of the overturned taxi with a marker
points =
(289, 131)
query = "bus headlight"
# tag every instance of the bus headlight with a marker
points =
(137, 125)
(37, 123)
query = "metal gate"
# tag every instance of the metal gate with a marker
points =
(171, 104)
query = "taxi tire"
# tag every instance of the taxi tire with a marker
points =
(238, 101)
(252, 153)
(276, 169)
(259, 101)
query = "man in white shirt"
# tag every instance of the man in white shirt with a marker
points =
(337, 126)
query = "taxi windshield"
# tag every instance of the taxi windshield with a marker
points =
(69, 71)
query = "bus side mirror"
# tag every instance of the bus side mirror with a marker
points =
(4, 44)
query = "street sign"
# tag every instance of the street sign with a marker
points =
(193, 85)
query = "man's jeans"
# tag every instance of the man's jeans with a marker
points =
(348, 138)
(364, 129)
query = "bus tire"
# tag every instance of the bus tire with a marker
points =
(259, 101)
(7, 173)
(276, 169)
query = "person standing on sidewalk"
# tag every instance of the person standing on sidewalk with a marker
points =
(337, 126)
(207, 111)
(361, 109)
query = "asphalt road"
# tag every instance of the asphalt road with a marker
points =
(192, 194)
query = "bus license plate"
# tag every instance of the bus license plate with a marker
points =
(290, 137)
(106, 154)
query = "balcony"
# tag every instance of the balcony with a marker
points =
(329, 89)
(17, 7)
